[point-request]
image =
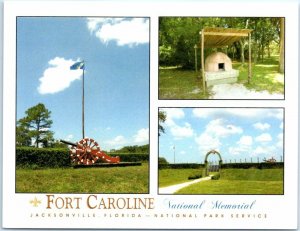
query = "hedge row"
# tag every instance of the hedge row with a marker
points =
(229, 165)
(180, 166)
(131, 157)
(27, 157)
(262, 165)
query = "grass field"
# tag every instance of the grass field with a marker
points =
(133, 179)
(175, 83)
(232, 181)
(169, 177)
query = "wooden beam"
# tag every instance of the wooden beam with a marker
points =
(231, 34)
(249, 59)
(202, 61)
(196, 62)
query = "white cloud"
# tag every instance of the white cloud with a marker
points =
(69, 137)
(171, 114)
(219, 128)
(116, 142)
(265, 137)
(204, 112)
(244, 146)
(142, 136)
(182, 152)
(177, 131)
(58, 76)
(124, 31)
(238, 112)
(261, 126)
(207, 142)
(215, 130)
(245, 140)
(180, 132)
(280, 140)
(265, 151)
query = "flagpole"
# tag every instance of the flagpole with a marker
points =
(83, 102)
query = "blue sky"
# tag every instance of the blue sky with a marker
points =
(116, 54)
(237, 133)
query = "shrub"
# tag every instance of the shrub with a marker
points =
(196, 176)
(180, 166)
(162, 160)
(216, 176)
(27, 157)
(186, 165)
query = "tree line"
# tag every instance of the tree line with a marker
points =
(142, 149)
(34, 130)
(178, 36)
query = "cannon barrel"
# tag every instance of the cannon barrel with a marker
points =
(68, 142)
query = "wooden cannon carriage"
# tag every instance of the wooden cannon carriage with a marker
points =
(87, 152)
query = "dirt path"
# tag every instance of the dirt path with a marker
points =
(239, 91)
(173, 188)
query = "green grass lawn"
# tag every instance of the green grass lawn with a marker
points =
(232, 181)
(234, 187)
(175, 83)
(133, 179)
(169, 177)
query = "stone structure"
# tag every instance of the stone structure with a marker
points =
(218, 61)
(218, 69)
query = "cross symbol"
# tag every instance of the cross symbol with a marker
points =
(35, 202)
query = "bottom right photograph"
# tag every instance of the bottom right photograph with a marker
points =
(221, 151)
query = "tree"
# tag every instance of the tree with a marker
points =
(178, 35)
(22, 137)
(58, 144)
(281, 57)
(36, 125)
(162, 160)
(161, 119)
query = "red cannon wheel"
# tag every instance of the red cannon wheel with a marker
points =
(85, 152)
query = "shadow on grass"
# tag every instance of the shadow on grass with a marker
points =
(176, 83)
(264, 78)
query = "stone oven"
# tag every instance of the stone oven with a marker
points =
(218, 69)
(218, 61)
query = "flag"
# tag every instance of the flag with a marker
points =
(77, 65)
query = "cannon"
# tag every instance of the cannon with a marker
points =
(87, 152)
(272, 160)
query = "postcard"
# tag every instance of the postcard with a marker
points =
(150, 115)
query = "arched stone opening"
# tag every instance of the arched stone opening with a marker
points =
(214, 152)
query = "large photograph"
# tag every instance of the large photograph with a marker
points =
(82, 121)
(221, 58)
(235, 151)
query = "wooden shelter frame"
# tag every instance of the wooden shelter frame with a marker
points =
(217, 37)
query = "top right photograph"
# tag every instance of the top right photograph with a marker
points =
(221, 58)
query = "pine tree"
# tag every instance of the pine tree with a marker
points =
(35, 125)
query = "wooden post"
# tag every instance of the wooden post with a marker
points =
(202, 62)
(249, 59)
(196, 61)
